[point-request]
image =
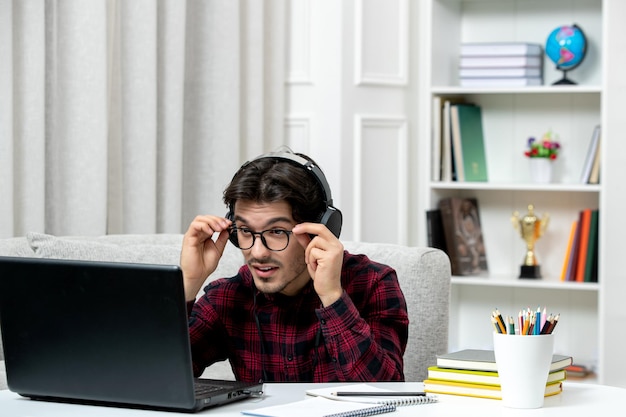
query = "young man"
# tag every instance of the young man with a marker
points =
(301, 309)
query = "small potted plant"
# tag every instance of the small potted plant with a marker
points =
(541, 153)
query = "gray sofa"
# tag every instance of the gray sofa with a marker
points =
(424, 275)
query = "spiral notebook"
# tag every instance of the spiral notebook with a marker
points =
(377, 397)
(322, 402)
(321, 407)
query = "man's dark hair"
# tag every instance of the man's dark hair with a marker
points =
(269, 180)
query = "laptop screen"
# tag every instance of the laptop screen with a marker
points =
(96, 331)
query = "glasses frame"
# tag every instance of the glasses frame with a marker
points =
(235, 239)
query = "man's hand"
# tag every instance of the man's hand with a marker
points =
(200, 254)
(324, 259)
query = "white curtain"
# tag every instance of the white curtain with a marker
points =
(130, 116)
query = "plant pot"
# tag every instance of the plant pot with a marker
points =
(541, 170)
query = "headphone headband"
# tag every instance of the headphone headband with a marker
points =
(306, 164)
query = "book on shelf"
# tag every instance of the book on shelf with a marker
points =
(591, 266)
(520, 72)
(446, 143)
(594, 176)
(369, 394)
(319, 406)
(577, 371)
(581, 257)
(442, 137)
(572, 260)
(485, 360)
(501, 82)
(456, 147)
(468, 142)
(590, 157)
(568, 251)
(463, 233)
(501, 49)
(436, 237)
(520, 61)
(585, 224)
(436, 386)
(437, 108)
(480, 377)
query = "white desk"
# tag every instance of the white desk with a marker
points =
(577, 399)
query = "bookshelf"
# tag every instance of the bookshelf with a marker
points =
(510, 116)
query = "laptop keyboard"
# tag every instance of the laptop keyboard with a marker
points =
(203, 389)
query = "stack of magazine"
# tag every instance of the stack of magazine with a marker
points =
(473, 373)
(501, 64)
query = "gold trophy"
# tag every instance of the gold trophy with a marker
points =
(531, 229)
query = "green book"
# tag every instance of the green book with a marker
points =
(469, 129)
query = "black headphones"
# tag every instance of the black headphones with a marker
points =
(332, 217)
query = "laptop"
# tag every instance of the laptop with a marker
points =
(103, 333)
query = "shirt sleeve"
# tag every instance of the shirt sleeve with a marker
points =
(367, 343)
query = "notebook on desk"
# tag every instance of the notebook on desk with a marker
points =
(99, 332)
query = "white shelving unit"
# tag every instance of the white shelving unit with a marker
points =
(510, 116)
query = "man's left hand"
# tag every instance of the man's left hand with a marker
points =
(324, 258)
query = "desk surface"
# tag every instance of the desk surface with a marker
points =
(577, 399)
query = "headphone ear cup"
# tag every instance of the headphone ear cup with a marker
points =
(232, 236)
(332, 219)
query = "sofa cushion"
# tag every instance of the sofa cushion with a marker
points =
(48, 246)
(15, 246)
(153, 249)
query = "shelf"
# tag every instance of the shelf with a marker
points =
(510, 115)
(503, 186)
(545, 89)
(525, 283)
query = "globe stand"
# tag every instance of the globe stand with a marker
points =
(564, 80)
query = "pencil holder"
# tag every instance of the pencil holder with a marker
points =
(523, 363)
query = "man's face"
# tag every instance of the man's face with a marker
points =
(273, 271)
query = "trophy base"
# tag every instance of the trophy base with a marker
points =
(530, 272)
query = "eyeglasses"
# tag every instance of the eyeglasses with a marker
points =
(274, 239)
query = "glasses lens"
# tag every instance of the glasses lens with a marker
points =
(276, 239)
(273, 239)
(245, 238)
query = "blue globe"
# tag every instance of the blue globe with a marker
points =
(566, 46)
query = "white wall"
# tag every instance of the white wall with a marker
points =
(350, 107)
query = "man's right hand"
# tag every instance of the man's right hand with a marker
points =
(201, 254)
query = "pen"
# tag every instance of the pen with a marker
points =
(378, 394)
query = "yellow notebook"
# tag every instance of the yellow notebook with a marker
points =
(436, 386)
(480, 377)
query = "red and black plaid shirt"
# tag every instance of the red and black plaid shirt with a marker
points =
(272, 337)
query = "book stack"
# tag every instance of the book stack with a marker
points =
(501, 64)
(473, 373)
(581, 256)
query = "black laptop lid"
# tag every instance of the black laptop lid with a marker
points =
(96, 331)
